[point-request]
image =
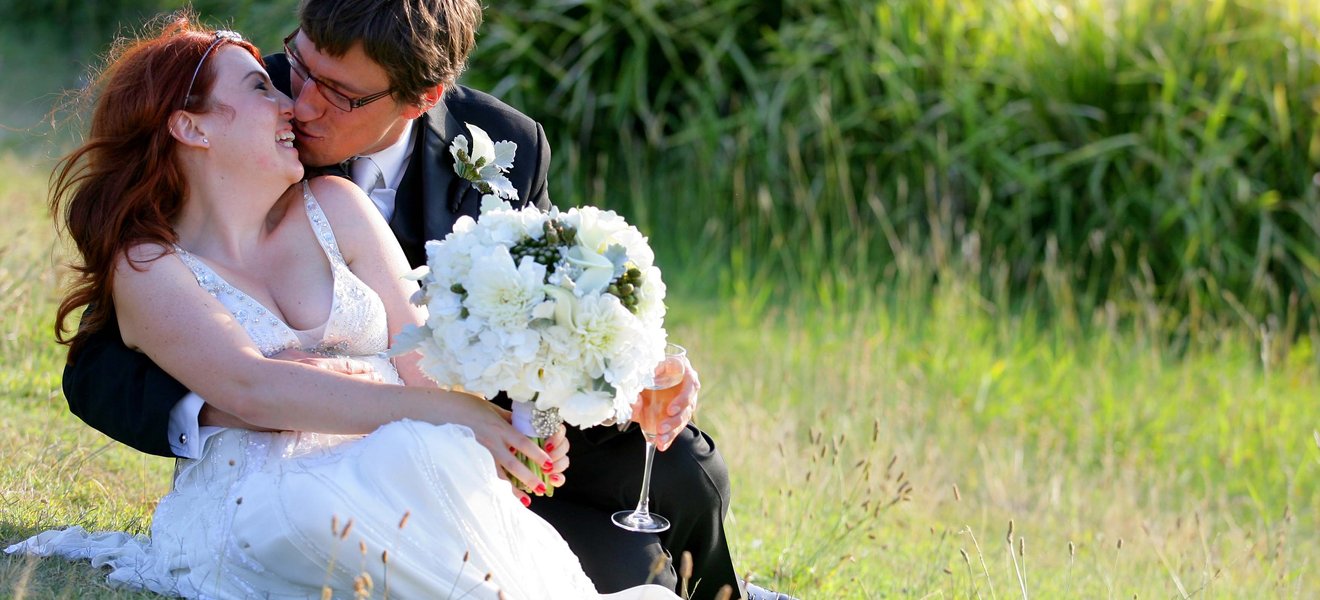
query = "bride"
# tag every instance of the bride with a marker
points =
(197, 236)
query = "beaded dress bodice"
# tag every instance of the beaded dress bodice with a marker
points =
(356, 326)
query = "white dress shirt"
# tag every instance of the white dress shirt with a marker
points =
(379, 175)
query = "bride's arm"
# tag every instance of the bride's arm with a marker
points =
(373, 255)
(163, 312)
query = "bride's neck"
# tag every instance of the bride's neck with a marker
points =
(229, 218)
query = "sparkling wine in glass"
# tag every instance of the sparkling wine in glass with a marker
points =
(651, 412)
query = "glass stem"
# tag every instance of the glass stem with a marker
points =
(644, 503)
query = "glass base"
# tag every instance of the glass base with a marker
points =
(635, 521)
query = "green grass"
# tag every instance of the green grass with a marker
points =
(846, 431)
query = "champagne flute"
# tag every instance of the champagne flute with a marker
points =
(664, 386)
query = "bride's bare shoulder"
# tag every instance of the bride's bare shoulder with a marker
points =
(141, 257)
(351, 214)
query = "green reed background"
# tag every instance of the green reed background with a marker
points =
(1146, 148)
(943, 264)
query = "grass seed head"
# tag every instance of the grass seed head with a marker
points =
(1009, 537)
(957, 497)
(404, 520)
(347, 528)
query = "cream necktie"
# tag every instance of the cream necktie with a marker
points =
(371, 179)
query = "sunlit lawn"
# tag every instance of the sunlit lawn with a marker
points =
(871, 445)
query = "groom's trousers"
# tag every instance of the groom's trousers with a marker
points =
(689, 486)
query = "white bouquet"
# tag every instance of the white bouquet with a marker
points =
(563, 311)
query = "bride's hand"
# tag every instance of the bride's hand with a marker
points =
(493, 429)
(557, 447)
(338, 364)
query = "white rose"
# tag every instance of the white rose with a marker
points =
(587, 408)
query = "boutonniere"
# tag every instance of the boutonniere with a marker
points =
(485, 162)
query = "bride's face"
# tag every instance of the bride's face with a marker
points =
(249, 129)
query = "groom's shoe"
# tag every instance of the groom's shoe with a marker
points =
(756, 592)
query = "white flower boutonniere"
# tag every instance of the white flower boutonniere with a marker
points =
(485, 163)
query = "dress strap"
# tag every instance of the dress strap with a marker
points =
(206, 277)
(321, 226)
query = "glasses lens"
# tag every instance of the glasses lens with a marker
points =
(330, 94)
(335, 98)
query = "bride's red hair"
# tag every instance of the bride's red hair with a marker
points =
(123, 186)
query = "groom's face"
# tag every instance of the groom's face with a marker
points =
(328, 134)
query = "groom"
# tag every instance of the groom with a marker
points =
(374, 81)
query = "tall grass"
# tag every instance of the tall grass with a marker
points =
(1148, 148)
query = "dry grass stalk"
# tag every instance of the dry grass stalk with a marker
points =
(685, 572)
(657, 566)
(980, 556)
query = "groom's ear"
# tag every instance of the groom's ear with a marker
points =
(430, 98)
(188, 129)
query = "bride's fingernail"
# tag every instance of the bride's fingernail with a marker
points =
(547, 466)
(526, 501)
(540, 488)
(513, 450)
(549, 446)
(557, 478)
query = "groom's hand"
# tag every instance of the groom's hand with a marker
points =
(681, 408)
(339, 364)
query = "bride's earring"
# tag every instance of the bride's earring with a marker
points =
(205, 141)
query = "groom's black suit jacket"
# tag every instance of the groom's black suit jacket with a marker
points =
(124, 395)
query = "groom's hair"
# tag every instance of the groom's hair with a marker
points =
(419, 43)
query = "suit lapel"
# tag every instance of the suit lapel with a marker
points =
(431, 196)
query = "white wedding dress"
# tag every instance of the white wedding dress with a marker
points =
(414, 506)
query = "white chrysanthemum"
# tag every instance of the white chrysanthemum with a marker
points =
(502, 293)
(599, 329)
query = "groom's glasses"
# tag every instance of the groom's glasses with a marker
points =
(221, 36)
(331, 93)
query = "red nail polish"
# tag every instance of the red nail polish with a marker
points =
(513, 450)
(548, 466)
(549, 446)
(526, 501)
(540, 488)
